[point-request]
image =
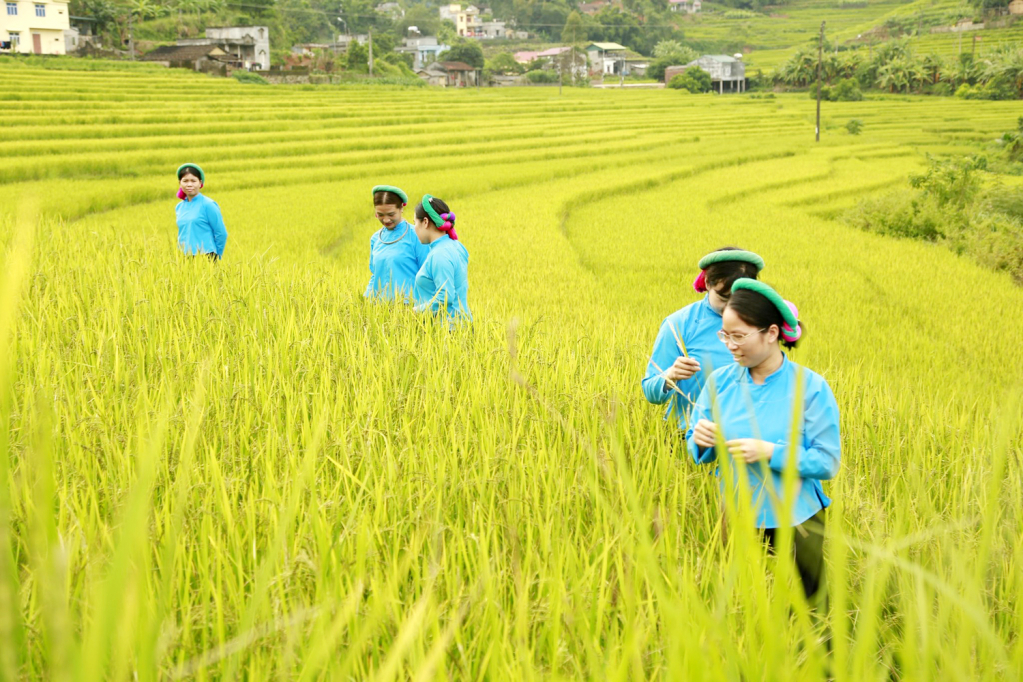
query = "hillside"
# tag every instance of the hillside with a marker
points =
(769, 38)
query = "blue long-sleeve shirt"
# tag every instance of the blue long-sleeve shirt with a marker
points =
(393, 266)
(748, 410)
(200, 226)
(697, 326)
(443, 282)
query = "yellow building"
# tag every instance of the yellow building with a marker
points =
(34, 26)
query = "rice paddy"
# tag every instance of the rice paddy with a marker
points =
(248, 471)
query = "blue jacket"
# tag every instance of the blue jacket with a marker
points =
(443, 283)
(393, 266)
(747, 410)
(200, 226)
(697, 326)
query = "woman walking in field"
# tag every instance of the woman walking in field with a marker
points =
(200, 226)
(753, 400)
(395, 253)
(687, 347)
(442, 284)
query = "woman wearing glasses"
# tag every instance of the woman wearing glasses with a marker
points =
(687, 348)
(754, 399)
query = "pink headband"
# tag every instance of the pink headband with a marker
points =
(788, 333)
(700, 284)
(448, 225)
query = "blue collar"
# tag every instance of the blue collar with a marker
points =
(748, 378)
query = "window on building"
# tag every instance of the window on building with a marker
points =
(15, 39)
(40, 10)
(12, 9)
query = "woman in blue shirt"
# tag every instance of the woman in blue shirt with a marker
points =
(754, 399)
(395, 253)
(200, 226)
(442, 284)
(687, 348)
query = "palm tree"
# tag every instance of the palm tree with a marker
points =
(933, 67)
(961, 72)
(144, 9)
(886, 78)
(1006, 63)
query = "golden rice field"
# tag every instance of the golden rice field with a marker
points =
(247, 471)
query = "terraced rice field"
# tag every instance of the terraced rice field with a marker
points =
(249, 469)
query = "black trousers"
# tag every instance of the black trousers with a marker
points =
(212, 256)
(808, 548)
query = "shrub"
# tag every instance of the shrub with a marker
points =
(846, 91)
(825, 92)
(249, 77)
(537, 76)
(693, 80)
(854, 126)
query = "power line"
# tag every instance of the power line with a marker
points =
(309, 10)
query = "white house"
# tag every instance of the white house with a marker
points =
(722, 69)
(424, 51)
(35, 26)
(685, 6)
(494, 29)
(608, 58)
(249, 45)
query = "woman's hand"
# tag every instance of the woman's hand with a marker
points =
(683, 368)
(705, 433)
(750, 450)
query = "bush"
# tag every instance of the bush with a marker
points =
(537, 76)
(965, 91)
(899, 214)
(846, 91)
(248, 77)
(854, 126)
(825, 92)
(692, 80)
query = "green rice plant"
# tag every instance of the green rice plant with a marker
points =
(248, 470)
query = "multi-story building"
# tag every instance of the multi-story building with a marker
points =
(469, 24)
(34, 26)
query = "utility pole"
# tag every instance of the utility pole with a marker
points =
(820, 60)
(371, 53)
(131, 38)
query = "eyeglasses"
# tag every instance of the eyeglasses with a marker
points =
(736, 339)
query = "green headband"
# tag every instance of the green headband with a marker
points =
(771, 295)
(393, 190)
(434, 216)
(731, 255)
(182, 167)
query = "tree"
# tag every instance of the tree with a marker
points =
(504, 63)
(933, 67)
(668, 48)
(358, 57)
(618, 27)
(694, 79)
(144, 9)
(424, 18)
(468, 51)
(660, 65)
(575, 30)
